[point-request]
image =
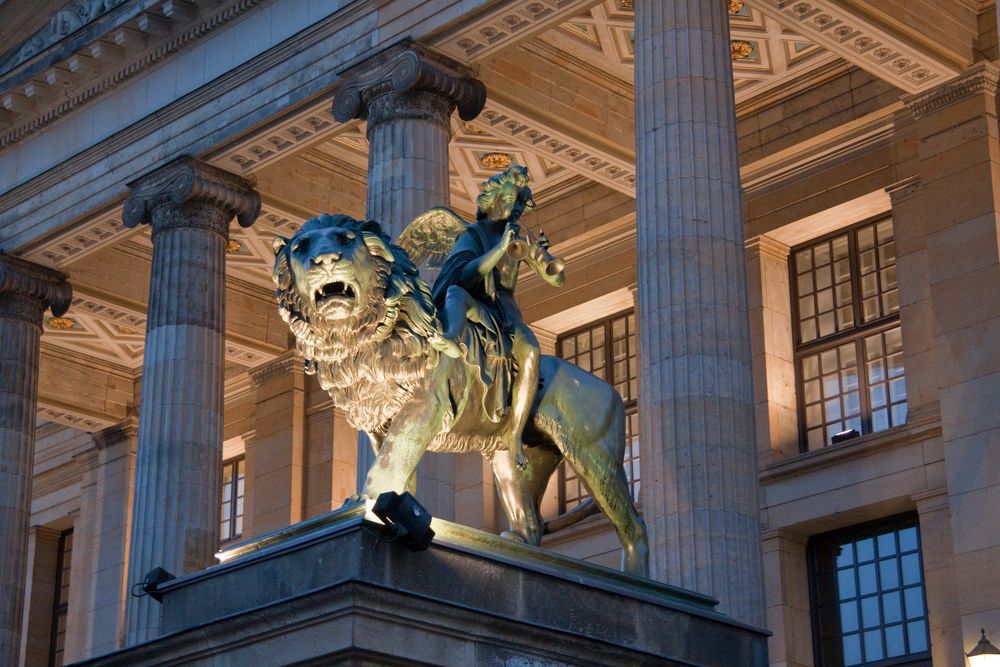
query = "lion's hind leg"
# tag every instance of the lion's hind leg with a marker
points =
(600, 465)
(521, 490)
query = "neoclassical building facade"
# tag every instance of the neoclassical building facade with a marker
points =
(781, 223)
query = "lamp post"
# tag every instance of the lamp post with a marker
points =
(984, 654)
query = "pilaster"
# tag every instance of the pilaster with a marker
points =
(696, 404)
(959, 172)
(101, 546)
(26, 291)
(775, 408)
(276, 476)
(175, 522)
(786, 593)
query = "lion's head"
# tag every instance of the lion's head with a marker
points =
(346, 291)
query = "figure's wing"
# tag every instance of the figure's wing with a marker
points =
(431, 235)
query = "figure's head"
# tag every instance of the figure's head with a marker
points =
(505, 195)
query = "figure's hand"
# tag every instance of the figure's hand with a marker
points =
(509, 233)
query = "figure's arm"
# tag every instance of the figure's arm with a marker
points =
(479, 268)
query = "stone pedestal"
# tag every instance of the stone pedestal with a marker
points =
(407, 94)
(175, 520)
(26, 291)
(696, 399)
(335, 590)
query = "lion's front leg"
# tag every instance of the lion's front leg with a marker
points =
(412, 430)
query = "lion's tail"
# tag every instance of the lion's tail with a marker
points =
(587, 508)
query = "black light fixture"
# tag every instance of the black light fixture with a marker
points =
(408, 518)
(844, 436)
(984, 654)
(151, 583)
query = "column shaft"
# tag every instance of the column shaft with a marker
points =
(26, 291)
(696, 403)
(175, 517)
(407, 94)
(18, 392)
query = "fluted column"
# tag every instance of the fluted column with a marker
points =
(175, 517)
(26, 290)
(696, 400)
(407, 94)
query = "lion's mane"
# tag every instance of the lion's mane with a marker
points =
(372, 362)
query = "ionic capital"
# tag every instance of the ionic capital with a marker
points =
(27, 289)
(196, 194)
(408, 81)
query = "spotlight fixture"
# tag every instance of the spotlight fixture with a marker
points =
(408, 518)
(151, 583)
(984, 654)
(843, 436)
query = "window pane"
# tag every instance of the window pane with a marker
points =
(863, 615)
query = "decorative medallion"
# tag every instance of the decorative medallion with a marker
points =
(495, 161)
(60, 323)
(741, 49)
(735, 6)
(233, 246)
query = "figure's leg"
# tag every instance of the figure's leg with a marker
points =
(526, 353)
(456, 302)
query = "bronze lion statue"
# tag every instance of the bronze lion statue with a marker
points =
(362, 317)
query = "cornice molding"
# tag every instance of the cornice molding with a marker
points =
(766, 246)
(905, 190)
(120, 432)
(117, 47)
(287, 364)
(860, 41)
(527, 130)
(983, 78)
(481, 34)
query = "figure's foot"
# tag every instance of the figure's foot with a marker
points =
(445, 345)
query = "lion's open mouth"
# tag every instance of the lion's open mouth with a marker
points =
(334, 290)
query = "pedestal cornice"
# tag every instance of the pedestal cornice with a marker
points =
(27, 289)
(408, 81)
(185, 181)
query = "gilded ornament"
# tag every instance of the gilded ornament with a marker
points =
(60, 323)
(741, 49)
(735, 6)
(233, 246)
(495, 161)
(455, 368)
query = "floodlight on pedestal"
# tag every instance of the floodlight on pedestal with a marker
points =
(984, 654)
(849, 434)
(408, 518)
(151, 583)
